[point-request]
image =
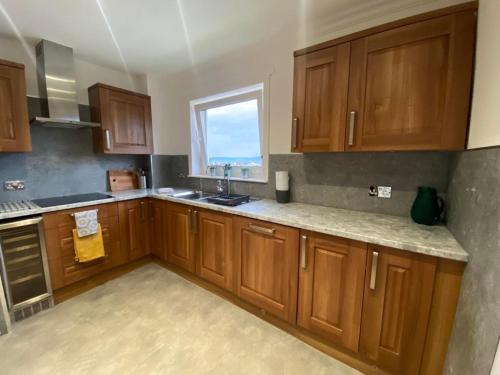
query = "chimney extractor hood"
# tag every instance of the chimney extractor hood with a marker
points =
(57, 85)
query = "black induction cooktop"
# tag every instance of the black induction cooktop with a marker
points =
(70, 199)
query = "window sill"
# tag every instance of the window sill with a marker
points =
(239, 179)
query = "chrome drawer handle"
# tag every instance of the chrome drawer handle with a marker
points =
(352, 123)
(303, 252)
(373, 276)
(263, 230)
(295, 128)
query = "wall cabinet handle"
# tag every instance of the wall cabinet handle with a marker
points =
(303, 252)
(295, 129)
(373, 274)
(107, 139)
(263, 230)
(143, 211)
(352, 124)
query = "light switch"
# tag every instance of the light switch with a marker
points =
(384, 191)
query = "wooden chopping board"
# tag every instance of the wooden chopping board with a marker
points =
(122, 179)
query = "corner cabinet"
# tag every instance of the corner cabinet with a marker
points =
(181, 227)
(134, 228)
(14, 124)
(157, 234)
(266, 266)
(125, 119)
(401, 86)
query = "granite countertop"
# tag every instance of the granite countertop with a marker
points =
(378, 229)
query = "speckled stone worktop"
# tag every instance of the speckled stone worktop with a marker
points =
(393, 231)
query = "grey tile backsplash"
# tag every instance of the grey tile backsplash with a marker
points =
(474, 219)
(335, 179)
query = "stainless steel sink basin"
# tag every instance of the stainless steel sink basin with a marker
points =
(226, 200)
(193, 195)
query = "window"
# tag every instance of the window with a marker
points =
(230, 128)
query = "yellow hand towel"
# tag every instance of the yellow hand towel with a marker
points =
(89, 247)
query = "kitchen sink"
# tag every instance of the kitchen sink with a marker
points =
(223, 199)
(193, 195)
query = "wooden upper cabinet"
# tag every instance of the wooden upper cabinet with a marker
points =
(181, 241)
(125, 118)
(134, 227)
(266, 266)
(320, 100)
(14, 124)
(215, 258)
(396, 307)
(331, 285)
(401, 86)
(410, 86)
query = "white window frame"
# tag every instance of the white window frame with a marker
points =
(198, 156)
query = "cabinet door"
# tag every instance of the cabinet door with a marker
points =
(58, 226)
(266, 261)
(331, 284)
(134, 227)
(397, 300)
(14, 125)
(410, 86)
(181, 239)
(125, 119)
(215, 260)
(320, 100)
(156, 228)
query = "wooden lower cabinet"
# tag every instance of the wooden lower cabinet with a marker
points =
(215, 258)
(331, 285)
(134, 227)
(397, 300)
(266, 266)
(156, 228)
(58, 226)
(181, 239)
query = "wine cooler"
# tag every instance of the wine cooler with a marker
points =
(24, 267)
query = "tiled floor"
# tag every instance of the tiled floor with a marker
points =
(152, 321)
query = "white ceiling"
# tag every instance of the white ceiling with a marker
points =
(162, 36)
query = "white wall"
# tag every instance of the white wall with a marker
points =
(274, 58)
(86, 73)
(485, 118)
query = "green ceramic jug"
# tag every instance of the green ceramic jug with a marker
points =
(428, 207)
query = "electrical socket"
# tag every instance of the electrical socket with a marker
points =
(384, 191)
(14, 185)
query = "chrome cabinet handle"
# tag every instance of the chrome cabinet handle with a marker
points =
(143, 212)
(352, 123)
(107, 139)
(195, 222)
(303, 252)
(263, 230)
(373, 275)
(295, 128)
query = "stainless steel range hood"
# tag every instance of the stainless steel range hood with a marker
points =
(57, 85)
